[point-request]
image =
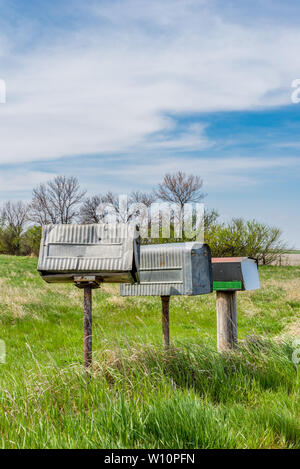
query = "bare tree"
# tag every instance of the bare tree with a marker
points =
(15, 214)
(139, 197)
(272, 246)
(112, 206)
(140, 211)
(14, 217)
(99, 208)
(92, 210)
(56, 201)
(126, 213)
(175, 191)
(180, 189)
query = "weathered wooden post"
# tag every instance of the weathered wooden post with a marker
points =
(87, 327)
(87, 283)
(231, 274)
(226, 320)
(165, 300)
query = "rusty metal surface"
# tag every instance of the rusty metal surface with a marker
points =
(172, 269)
(110, 252)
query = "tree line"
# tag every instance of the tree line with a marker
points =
(61, 200)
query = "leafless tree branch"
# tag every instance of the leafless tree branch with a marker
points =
(56, 201)
(180, 188)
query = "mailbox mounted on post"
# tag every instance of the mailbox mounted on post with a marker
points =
(231, 274)
(235, 273)
(88, 255)
(172, 269)
(97, 253)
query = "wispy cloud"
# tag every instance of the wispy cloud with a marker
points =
(220, 174)
(14, 183)
(108, 86)
(189, 138)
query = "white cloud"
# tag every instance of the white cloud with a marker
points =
(14, 182)
(192, 138)
(108, 88)
(221, 174)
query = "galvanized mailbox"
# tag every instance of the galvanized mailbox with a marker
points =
(172, 269)
(235, 273)
(98, 252)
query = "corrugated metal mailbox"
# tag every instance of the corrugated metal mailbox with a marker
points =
(235, 273)
(172, 269)
(103, 252)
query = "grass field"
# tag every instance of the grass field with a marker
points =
(139, 395)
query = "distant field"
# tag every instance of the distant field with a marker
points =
(140, 396)
(289, 259)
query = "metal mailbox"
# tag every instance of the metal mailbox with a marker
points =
(235, 273)
(172, 269)
(97, 253)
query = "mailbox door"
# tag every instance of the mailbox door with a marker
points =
(201, 270)
(227, 276)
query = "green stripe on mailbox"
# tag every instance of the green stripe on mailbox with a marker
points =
(227, 285)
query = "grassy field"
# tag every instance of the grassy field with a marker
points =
(139, 395)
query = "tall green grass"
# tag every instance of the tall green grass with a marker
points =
(138, 395)
(145, 397)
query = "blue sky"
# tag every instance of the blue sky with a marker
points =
(119, 92)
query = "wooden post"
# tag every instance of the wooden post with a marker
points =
(226, 320)
(165, 300)
(87, 327)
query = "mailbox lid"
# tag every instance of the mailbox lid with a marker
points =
(235, 273)
(93, 248)
(172, 269)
